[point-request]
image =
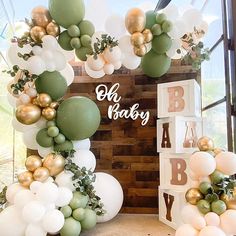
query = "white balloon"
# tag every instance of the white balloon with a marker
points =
(172, 12)
(59, 60)
(53, 221)
(11, 223)
(108, 69)
(29, 138)
(43, 152)
(64, 197)
(125, 45)
(12, 190)
(96, 64)
(68, 73)
(69, 55)
(186, 230)
(112, 55)
(203, 26)
(33, 212)
(82, 144)
(36, 65)
(49, 42)
(227, 220)
(111, 194)
(211, 230)
(192, 17)
(131, 61)
(85, 158)
(24, 98)
(34, 187)
(92, 73)
(22, 198)
(50, 66)
(64, 179)
(115, 26)
(41, 124)
(47, 55)
(179, 29)
(47, 193)
(37, 50)
(117, 65)
(202, 164)
(188, 213)
(212, 219)
(21, 127)
(198, 222)
(226, 163)
(35, 230)
(13, 101)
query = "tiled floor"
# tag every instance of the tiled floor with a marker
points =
(132, 225)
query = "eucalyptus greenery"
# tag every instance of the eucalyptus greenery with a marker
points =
(3, 199)
(106, 41)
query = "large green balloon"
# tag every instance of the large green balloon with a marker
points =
(78, 118)
(150, 19)
(82, 53)
(90, 220)
(161, 44)
(86, 28)
(52, 83)
(155, 65)
(43, 139)
(67, 12)
(64, 41)
(71, 227)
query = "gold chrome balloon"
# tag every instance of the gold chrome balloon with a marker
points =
(230, 201)
(193, 196)
(49, 113)
(140, 51)
(205, 144)
(37, 33)
(25, 178)
(53, 29)
(41, 16)
(137, 39)
(148, 36)
(54, 105)
(33, 162)
(28, 114)
(55, 163)
(41, 174)
(44, 100)
(135, 20)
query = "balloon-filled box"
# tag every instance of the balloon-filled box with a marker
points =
(178, 134)
(175, 171)
(181, 98)
(171, 203)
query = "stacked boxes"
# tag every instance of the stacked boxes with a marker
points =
(178, 129)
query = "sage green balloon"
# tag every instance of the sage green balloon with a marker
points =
(150, 19)
(79, 214)
(161, 44)
(86, 40)
(52, 83)
(155, 65)
(67, 13)
(64, 41)
(66, 146)
(82, 53)
(90, 220)
(79, 200)
(66, 211)
(43, 139)
(71, 227)
(75, 43)
(78, 118)
(86, 27)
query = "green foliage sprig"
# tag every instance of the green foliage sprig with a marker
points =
(83, 180)
(3, 199)
(106, 41)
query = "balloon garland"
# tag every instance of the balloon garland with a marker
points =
(211, 208)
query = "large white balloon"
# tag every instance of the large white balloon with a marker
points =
(92, 73)
(43, 152)
(35, 230)
(64, 179)
(112, 55)
(34, 187)
(36, 65)
(226, 163)
(227, 220)
(131, 61)
(29, 138)
(11, 223)
(125, 44)
(212, 219)
(186, 230)
(82, 144)
(64, 197)
(188, 213)
(111, 194)
(211, 230)
(13, 101)
(115, 26)
(47, 193)
(202, 164)
(192, 17)
(85, 158)
(172, 12)
(97, 63)
(12, 190)
(68, 73)
(21, 127)
(22, 198)
(49, 42)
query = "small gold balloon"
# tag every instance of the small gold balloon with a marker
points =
(230, 201)
(135, 20)
(137, 39)
(217, 151)
(55, 163)
(41, 16)
(205, 144)
(49, 113)
(41, 174)
(35, 101)
(28, 114)
(44, 100)
(37, 33)
(25, 178)
(140, 51)
(148, 36)
(53, 29)
(193, 196)
(54, 105)
(33, 162)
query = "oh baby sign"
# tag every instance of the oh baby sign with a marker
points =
(114, 112)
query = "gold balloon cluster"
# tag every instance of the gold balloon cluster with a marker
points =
(193, 196)
(43, 24)
(135, 22)
(40, 170)
(230, 200)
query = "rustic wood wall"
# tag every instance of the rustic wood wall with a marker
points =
(123, 147)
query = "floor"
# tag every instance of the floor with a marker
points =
(132, 225)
